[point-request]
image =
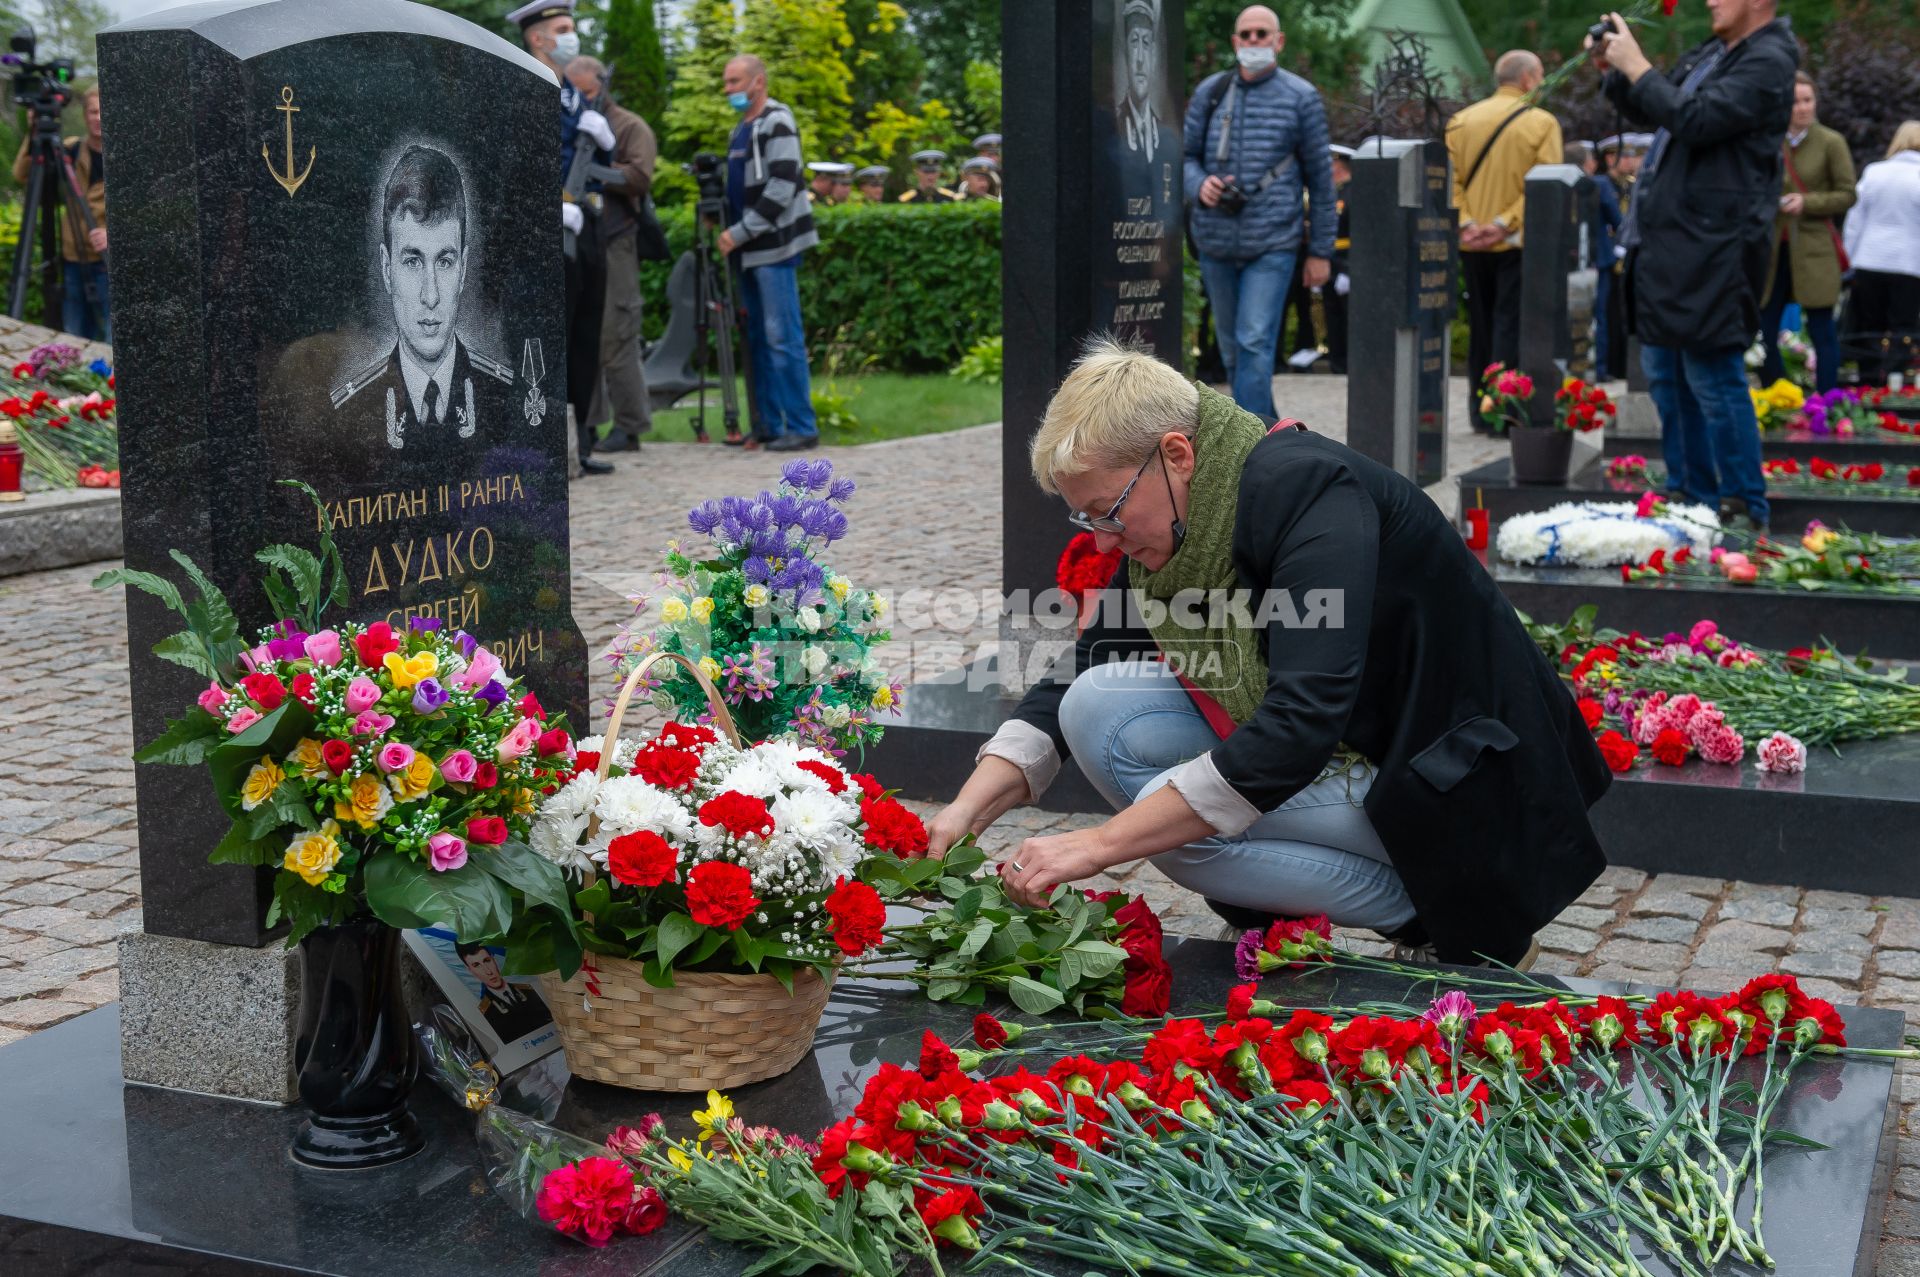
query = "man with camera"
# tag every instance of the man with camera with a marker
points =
(770, 224)
(1255, 142)
(85, 309)
(1698, 235)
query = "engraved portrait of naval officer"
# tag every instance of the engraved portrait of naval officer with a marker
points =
(431, 390)
(1138, 74)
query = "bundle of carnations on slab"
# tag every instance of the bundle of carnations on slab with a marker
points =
(716, 888)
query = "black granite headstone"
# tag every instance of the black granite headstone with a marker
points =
(1555, 198)
(1403, 264)
(1092, 235)
(336, 259)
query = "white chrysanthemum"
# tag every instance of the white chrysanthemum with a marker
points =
(573, 800)
(752, 777)
(812, 818)
(841, 859)
(629, 804)
(558, 840)
(1603, 534)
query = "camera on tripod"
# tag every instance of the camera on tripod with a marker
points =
(41, 87)
(710, 175)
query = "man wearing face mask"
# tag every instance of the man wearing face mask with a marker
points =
(1255, 143)
(547, 27)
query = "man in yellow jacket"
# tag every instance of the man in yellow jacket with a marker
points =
(1492, 145)
(86, 311)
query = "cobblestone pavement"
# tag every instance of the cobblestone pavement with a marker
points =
(69, 866)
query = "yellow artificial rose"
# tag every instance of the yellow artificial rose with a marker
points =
(409, 670)
(709, 667)
(306, 758)
(702, 609)
(524, 802)
(754, 596)
(261, 782)
(413, 780)
(313, 853)
(673, 611)
(367, 801)
(1818, 539)
(841, 587)
(883, 697)
(1786, 395)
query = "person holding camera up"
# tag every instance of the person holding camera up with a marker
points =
(85, 310)
(1255, 142)
(770, 226)
(1699, 237)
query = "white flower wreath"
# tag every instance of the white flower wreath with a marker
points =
(1594, 534)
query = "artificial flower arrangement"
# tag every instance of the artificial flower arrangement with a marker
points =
(787, 639)
(1837, 412)
(374, 768)
(1870, 478)
(1601, 1127)
(1504, 394)
(1778, 406)
(1581, 407)
(1826, 558)
(1604, 533)
(67, 441)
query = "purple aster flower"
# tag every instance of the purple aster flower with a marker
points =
(704, 517)
(1246, 955)
(493, 692)
(423, 624)
(786, 509)
(430, 698)
(1453, 1014)
(815, 518)
(757, 570)
(840, 490)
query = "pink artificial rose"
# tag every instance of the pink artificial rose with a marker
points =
(394, 756)
(1701, 632)
(257, 659)
(446, 851)
(1782, 754)
(372, 722)
(246, 716)
(459, 767)
(1743, 574)
(323, 648)
(481, 667)
(1721, 745)
(519, 740)
(213, 698)
(362, 693)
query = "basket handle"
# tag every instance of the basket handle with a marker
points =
(610, 742)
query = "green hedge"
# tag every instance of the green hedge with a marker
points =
(909, 289)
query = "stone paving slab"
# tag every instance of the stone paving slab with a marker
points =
(66, 801)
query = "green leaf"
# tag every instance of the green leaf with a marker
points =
(677, 931)
(221, 625)
(303, 568)
(185, 649)
(472, 904)
(943, 990)
(531, 874)
(240, 847)
(968, 904)
(186, 741)
(976, 938)
(1033, 997)
(148, 583)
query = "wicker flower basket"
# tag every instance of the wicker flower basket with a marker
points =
(711, 1030)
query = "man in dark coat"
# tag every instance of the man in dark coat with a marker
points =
(1698, 235)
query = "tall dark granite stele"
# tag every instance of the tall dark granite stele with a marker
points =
(1404, 266)
(1555, 197)
(253, 147)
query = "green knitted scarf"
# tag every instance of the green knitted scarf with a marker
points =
(1223, 659)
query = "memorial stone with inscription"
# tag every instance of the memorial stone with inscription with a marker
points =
(1555, 195)
(1404, 265)
(335, 261)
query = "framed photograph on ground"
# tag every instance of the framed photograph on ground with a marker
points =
(508, 1016)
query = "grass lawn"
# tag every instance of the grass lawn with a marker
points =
(887, 406)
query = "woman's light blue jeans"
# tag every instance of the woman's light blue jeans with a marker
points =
(1129, 726)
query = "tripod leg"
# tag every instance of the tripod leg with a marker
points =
(23, 251)
(53, 284)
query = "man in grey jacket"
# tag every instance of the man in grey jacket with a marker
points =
(770, 224)
(1255, 141)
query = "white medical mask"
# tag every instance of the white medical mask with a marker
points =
(566, 46)
(1255, 58)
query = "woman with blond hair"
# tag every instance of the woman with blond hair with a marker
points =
(1329, 707)
(1883, 243)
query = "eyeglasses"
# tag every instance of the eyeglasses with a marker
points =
(1255, 33)
(1107, 522)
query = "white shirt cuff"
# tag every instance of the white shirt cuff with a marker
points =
(1029, 749)
(1212, 798)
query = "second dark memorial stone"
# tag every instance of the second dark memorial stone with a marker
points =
(336, 260)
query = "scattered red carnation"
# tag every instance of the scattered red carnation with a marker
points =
(856, 916)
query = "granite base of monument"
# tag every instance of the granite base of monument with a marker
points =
(1888, 626)
(1845, 824)
(1494, 487)
(59, 529)
(1888, 446)
(100, 1177)
(213, 1018)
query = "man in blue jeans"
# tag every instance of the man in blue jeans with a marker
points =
(770, 226)
(1698, 235)
(1255, 141)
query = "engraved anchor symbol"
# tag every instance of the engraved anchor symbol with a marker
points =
(289, 180)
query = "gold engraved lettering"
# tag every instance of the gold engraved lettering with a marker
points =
(375, 568)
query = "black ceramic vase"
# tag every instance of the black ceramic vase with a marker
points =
(355, 1052)
(1541, 454)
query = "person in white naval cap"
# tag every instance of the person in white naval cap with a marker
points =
(832, 181)
(980, 179)
(988, 144)
(926, 167)
(871, 182)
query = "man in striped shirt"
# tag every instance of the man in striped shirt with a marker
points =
(770, 224)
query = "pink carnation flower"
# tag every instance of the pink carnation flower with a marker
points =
(1701, 631)
(1704, 722)
(1781, 754)
(1721, 745)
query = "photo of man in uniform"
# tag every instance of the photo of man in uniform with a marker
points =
(512, 1010)
(1139, 115)
(431, 390)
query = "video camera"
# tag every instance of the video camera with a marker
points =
(44, 88)
(708, 173)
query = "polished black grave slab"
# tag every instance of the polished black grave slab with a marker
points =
(1493, 487)
(1889, 446)
(1782, 617)
(101, 1178)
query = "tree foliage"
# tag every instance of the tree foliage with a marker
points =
(638, 61)
(951, 34)
(1318, 48)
